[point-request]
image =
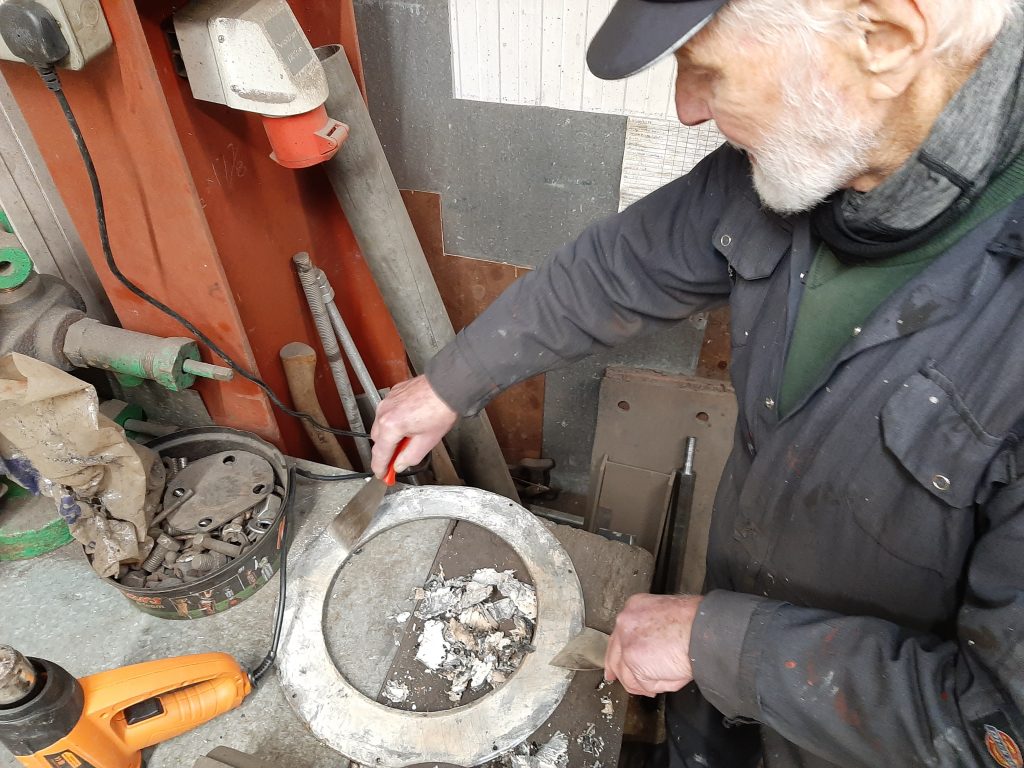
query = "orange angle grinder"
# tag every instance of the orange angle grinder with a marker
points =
(50, 719)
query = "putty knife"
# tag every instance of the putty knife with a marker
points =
(584, 653)
(355, 517)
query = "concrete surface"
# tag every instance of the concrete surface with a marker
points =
(55, 607)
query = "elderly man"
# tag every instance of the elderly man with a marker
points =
(864, 603)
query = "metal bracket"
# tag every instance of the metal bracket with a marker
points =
(373, 734)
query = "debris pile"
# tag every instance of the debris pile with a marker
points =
(477, 629)
(553, 754)
(590, 742)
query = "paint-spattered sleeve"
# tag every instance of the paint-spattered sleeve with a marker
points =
(862, 692)
(644, 269)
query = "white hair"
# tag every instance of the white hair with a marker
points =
(964, 27)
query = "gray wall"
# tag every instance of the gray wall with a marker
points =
(516, 183)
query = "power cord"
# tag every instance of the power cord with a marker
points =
(31, 33)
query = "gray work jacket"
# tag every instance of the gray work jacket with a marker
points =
(866, 563)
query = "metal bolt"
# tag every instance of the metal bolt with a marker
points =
(164, 544)
(769, 403)
(941, 483)
(216, 545)
(208, 561)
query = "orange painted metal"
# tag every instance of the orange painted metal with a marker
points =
(201, 217)
(306, 139)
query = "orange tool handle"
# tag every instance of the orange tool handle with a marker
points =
(389, 476)
(191, 690)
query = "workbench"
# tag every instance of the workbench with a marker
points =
(55, 607)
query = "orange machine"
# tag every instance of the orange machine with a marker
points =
(49, 719)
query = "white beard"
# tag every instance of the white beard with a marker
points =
(815, 148)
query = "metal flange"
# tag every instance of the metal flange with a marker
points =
(373, 734)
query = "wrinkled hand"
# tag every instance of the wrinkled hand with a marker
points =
(412, 409)
(649, 652)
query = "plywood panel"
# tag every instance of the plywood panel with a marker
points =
(468, 286)
(644, 419)
(659, 151)
(716, 351)
(494, 60)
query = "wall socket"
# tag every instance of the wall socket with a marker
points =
(84, 26)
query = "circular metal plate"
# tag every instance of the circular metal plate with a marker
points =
(375, 735)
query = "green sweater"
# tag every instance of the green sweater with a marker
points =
(839, 298)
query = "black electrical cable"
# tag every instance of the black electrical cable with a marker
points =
(410, 472)
(282, 587)
(52, 81)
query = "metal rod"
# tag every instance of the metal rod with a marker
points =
(348, 344)
(315, 299)
(366, 189)
(188, 494)
(691, 445)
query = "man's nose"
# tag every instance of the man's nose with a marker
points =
(691, 107)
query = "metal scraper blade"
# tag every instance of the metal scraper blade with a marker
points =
(353, 520)
(584, 653)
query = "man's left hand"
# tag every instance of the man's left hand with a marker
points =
(649, 652)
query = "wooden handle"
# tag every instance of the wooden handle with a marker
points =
(299, 361)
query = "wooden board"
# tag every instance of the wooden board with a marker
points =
(609, 572)
(716, 351)
(631, 500)
(644, 419)
(468, 286)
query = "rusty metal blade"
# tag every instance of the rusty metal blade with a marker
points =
(583, 653)
(355, 517)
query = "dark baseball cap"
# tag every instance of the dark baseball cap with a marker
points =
(638, 33)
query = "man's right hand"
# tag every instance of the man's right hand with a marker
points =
(412, 409)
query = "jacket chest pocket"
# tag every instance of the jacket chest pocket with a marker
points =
(753, 243)
(941, 456)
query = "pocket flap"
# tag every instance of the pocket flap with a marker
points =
(928, 428)
(752, 241)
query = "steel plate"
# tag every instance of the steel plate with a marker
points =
(375, 735)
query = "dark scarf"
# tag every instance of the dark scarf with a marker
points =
(977, 136)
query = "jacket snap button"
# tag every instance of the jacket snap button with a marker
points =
(769, 403)
(941, 483)
(726, 241)
(857, 331)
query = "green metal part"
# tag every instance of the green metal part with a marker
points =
(163, 363)
(15, 264)
(29, 528)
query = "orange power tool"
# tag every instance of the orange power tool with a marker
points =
(50, 719)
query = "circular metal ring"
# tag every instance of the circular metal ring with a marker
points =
(375, 735)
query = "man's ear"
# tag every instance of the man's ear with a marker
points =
(896, 41)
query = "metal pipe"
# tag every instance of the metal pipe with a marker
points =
(315, 299)
(17, 676)
(348, 344)
(366, 189)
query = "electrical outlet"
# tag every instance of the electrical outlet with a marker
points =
(84, 26)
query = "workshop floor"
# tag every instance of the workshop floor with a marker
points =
(56, 608)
